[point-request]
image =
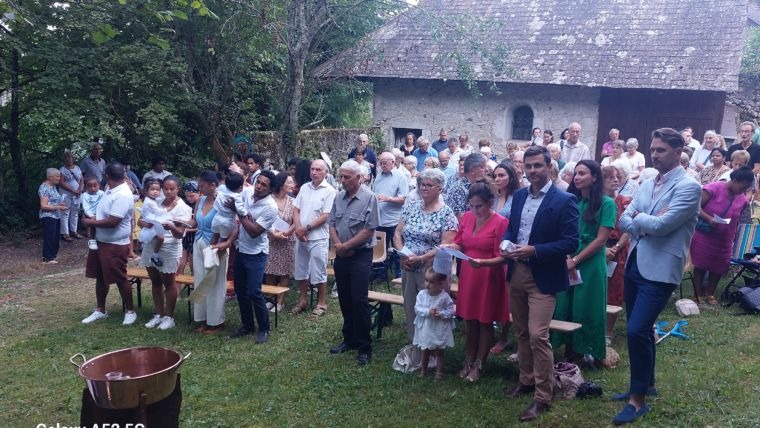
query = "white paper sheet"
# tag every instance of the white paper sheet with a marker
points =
(611, 265)
(280, 225)
(721, 220)
(442, 263)
(405, 252)
(454, 253)
(577, 280)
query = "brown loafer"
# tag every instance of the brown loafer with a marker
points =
(532, 412)
(519, 390)
(213, 329)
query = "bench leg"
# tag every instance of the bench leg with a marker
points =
(189, 305)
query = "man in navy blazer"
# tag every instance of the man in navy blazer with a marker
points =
(544, 226)
(661, 220)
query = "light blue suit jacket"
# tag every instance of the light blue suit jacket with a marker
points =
(663, 238)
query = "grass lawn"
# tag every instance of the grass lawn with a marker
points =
(710, 380)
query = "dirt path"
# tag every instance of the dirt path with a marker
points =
(22, 260)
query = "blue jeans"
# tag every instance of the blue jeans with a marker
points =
(51, 238)
(249, 274)
(644, 300)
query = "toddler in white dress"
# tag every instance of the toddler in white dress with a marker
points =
(151, 210)
(224, 220)
(434, 322)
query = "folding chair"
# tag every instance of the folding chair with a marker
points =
(688, 275)
(379, 256)
(745, 249)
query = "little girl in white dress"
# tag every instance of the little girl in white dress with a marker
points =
(434, 324)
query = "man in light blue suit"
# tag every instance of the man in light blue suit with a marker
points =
(661, 220)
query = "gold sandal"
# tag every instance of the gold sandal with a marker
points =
(466, 369)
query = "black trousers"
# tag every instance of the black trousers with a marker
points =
(352, 278)
(51, 237)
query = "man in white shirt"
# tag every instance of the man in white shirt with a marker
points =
(574, 150)
(691, 142)
(113, 231)
(311, 210)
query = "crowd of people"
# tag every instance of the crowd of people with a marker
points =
(546, 233)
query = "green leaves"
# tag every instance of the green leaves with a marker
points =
(103, 34)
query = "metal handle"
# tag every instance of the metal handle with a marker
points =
(84, 360)
(186, 356)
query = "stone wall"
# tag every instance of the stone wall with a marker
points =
(747, 98)
(430, 105)
(337, 143)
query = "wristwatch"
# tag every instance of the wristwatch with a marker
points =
(308, 227)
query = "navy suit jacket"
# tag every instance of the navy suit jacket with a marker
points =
(554, 235)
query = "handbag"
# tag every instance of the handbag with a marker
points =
(705, 226)
(567, 379)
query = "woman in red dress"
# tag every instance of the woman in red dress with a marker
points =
(617, 246)
(482, 297)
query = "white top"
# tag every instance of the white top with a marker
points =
(431, 332)
(223, 194)
(90, 202)
(576, 152)
(157, 175)
(117, 202)
(264, 213)
(313, 202)
(181, 211)
(701, 155)
(637, 161)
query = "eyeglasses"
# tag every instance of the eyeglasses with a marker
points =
(428, 185)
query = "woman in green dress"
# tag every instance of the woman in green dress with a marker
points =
(586, 302)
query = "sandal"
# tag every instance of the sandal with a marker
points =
(438, 376)
(499, 347)
(319, 311)
(298, 309)
(67, 238)
(475, 372)
(466, 369)
(711, 300)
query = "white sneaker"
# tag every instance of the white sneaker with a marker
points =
(92, 244)
(270, 306)
(129, 318)
(334, 293)
(94, 316)
(279, 308)
(154, 322)
(166, 323)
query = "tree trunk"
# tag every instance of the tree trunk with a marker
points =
(13, 141)
(304, 23)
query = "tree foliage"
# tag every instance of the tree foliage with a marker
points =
(178, 78)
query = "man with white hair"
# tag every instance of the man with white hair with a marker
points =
(574, 150)
(369, 154)
(353, 220)
(391, 188)
(311, 210)
(423, 151)
(746, 130)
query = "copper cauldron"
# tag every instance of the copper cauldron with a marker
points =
(117, 379)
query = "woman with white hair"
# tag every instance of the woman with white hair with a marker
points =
(567, 172)
(51, 206)
(628, 186)
(410, 164)
(701, 157)
(638, 163)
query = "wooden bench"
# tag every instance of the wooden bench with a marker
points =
(384, 316)
(271, 295)
(382, 308)
(612, 310)
(137, 274)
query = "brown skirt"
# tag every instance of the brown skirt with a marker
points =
(108, 263)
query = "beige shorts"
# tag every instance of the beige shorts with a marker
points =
(311, 261)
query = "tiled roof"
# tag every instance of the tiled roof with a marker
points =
(686, 44)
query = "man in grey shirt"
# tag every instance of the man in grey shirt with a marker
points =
(353, 220)
(94, 165)
(390, 187)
